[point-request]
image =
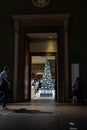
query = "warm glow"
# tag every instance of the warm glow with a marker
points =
(39, 73)
(50, 45)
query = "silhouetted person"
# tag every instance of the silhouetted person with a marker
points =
(80, 90)
(75, 93)
(39, 84)
(5, 85)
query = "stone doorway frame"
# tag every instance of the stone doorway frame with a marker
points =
(40, 20)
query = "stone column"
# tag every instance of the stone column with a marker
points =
(16, 41)
(66, 91)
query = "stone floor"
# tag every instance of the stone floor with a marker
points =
(43, 115)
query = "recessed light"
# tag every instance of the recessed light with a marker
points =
(50, 37)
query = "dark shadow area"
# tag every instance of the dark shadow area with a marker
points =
(22, 110)
(43, 101)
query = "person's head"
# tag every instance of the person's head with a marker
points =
(78, 79)
(7, 69)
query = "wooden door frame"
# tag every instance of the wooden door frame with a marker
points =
(51, 20)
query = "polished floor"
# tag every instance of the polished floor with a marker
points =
(43, 115)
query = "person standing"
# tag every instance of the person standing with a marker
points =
(5, 86)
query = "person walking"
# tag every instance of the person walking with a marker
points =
(74, 94)
(75, 91)
(4, 87)
(80, 91)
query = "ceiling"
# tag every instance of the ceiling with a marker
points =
(42, 35)
(39, 36)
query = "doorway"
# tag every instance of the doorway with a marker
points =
(40, 48)
(43, 77)
(43, 23)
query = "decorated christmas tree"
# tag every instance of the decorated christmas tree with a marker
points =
(47, 77)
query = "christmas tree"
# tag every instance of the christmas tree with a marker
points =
(47, 77)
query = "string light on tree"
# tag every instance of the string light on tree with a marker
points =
(47, 77)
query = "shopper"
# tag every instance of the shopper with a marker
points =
(4, 86)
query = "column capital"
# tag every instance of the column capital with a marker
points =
(16, 26)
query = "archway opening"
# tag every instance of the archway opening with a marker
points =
(43, 77)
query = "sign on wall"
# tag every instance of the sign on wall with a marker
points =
(74, 72)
